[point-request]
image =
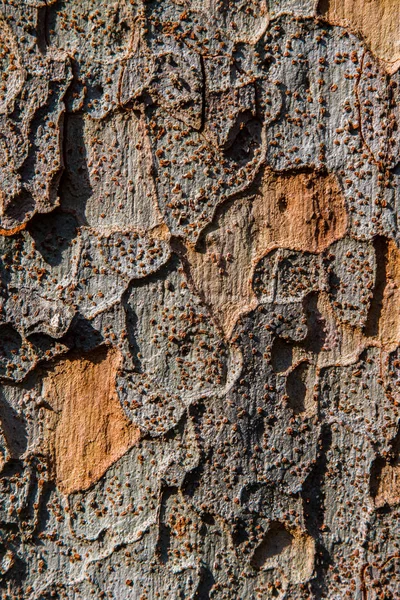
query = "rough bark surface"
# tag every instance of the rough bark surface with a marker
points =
(200, 299)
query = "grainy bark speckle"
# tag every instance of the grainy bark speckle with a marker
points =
(199, 299)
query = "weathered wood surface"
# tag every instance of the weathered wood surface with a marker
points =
(200, 299)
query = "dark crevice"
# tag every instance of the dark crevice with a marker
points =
(46, 24)
(239, 531)
(375, 309)
(316, 334)
(131, 321)
(314, 509)
(12, 468)
(312, 494)
(53, 234)
(81, 335)
(164, 531)
(296, 387)
(205, 584)
(323, 7)
(74, 188)
(191, 480)
(375, 475)
(281, 355)
(42, 39)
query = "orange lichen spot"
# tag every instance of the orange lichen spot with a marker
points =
(304, 212)
(377, 20)
(13, 231)
(87, 430)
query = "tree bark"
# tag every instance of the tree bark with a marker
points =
(200, 299)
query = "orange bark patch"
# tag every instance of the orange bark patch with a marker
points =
(301, 212)
(389, 485)
(389, 323)
(88, 430)
(377, 20)
(13, 231)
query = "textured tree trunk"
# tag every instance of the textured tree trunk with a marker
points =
(200, 299)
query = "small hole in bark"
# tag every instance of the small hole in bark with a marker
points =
(282, 204)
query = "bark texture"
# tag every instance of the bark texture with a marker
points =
(200, 299)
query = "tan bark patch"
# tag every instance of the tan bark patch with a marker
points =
(292, 549)
(88, 430)
(389, 485)
(377, 20)
(303, 556)
(389, 323)
(301, 212)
